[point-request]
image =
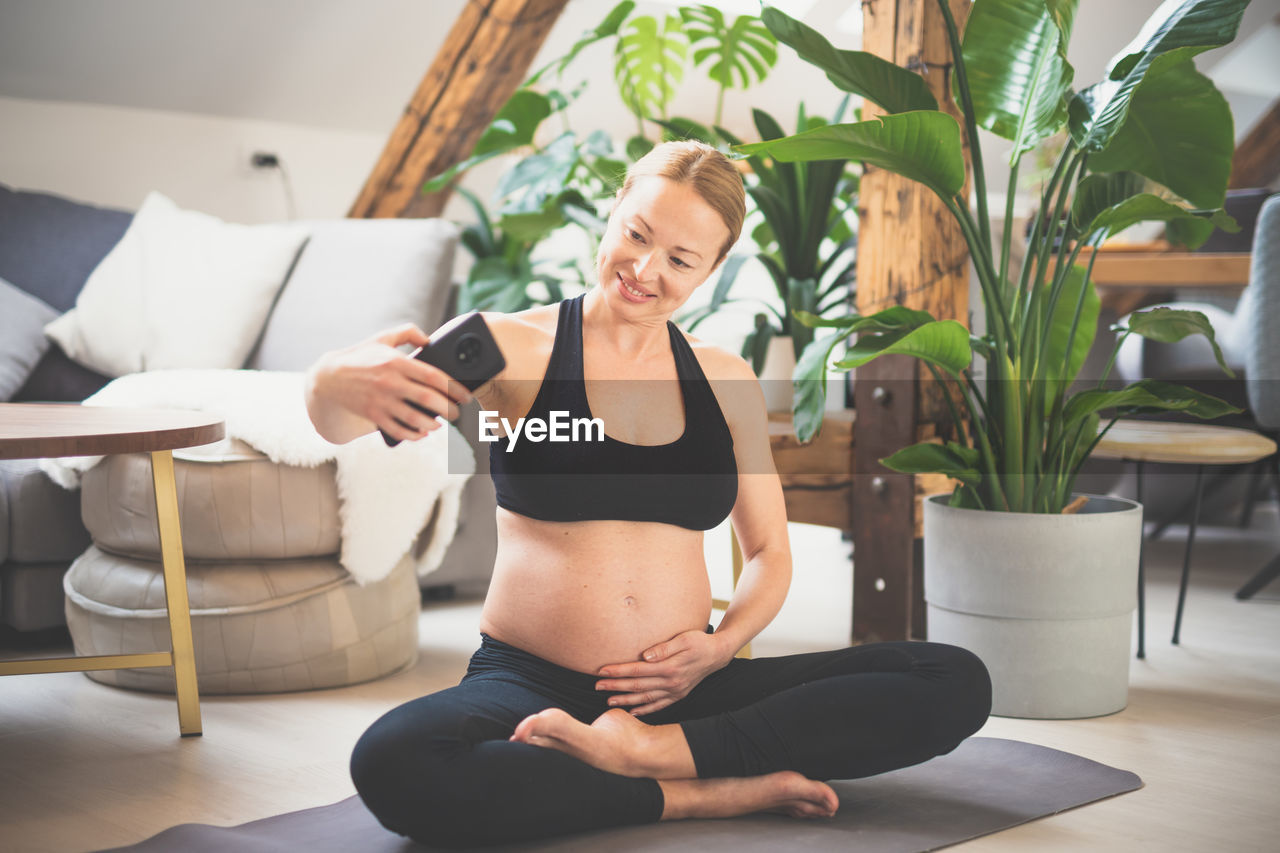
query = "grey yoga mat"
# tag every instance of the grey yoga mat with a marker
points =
(984, 786)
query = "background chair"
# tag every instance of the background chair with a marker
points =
(1262, 354)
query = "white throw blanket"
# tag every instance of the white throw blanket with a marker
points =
(386, 495)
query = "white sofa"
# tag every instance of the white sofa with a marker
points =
(273, 608)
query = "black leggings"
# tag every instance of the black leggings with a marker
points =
(441, 770)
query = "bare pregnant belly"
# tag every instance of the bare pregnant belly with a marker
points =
(586, 594)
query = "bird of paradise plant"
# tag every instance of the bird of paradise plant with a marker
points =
(1021, 438)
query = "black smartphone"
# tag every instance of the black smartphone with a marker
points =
(465, 350)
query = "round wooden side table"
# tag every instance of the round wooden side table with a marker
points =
(1180, 444)
(34, 430)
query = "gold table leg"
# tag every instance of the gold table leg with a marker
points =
(175, 593)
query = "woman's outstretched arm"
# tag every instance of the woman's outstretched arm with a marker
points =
(368, 386)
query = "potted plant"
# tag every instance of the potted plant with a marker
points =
(1045, 598)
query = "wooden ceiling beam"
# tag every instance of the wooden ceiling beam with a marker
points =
(482, 62)
(1256, 162)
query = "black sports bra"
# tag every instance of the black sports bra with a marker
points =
(691, 482)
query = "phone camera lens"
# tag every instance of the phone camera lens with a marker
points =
(468, 349)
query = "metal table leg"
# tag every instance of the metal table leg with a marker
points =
(1142, 578)
(1186, 555)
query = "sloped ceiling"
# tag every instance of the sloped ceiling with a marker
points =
(322, 63)
(345, 64)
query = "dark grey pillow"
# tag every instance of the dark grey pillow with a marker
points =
(58, 379)
(22, 340)
(49, 245)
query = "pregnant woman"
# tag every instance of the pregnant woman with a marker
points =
(599, 695)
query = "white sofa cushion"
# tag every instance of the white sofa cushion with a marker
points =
(357, 277)
(180, 289)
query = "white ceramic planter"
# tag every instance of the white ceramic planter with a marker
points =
(1046, 601)
(775, 376)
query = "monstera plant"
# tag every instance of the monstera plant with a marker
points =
(1152, 141)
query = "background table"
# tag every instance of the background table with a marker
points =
(1180, 444)
(30, 431)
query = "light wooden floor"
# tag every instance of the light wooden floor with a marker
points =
(83, 766)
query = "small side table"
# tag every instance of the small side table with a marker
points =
(29, 431)
(1182, 444)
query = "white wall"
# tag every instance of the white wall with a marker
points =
(114, 155)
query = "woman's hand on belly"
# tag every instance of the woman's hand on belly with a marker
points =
(667, 673)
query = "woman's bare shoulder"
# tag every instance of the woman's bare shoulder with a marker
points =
(532, 322)
(718, 363)
(525, 339)
(735, 385)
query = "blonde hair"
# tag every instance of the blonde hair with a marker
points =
(709, 172)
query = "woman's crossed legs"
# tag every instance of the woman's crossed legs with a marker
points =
(523, 749)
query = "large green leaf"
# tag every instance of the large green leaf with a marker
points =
(923, 146)
(944, 343)
(1190, 234)
(1146, 207)
(1062, 12)
(728, 275)
(779, 178)
(809, 385)
(516, 123)
(495, 285)
(756, 345)
(890, 319)
(533, 226)
(513, 127)
(540, 176)
(1189, 26)
(1147, 394)
(1170, 325)
(738, 54)
(478, 238)
(1019, 77)
(896, 89)
(649, 63)
(1076, 292)
(1096, 193)
(607, 28)
(1178, 133)
(927, 457)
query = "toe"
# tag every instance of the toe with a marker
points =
(526, 728)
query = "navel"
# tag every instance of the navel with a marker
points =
(629, 601)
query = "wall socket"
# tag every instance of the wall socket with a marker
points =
(264, 160)
(256, 161)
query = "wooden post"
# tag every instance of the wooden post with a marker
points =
(1256, 161)
(910, 252)
(482, 62)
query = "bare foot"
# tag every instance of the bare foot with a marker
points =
(616, 742)
(787, 793)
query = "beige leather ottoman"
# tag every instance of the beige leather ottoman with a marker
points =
(272, 609)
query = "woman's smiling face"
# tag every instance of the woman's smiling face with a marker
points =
(663, 240)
